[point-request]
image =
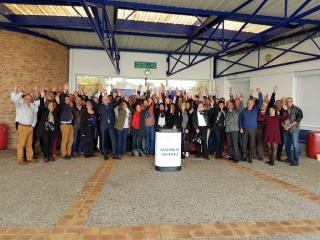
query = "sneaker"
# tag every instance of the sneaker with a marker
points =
(105, 157)
(67, 157)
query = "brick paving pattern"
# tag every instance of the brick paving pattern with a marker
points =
(71, 224)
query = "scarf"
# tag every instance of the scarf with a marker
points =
(50, 117)
(135, 123)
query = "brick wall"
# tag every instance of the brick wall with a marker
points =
(34, 62)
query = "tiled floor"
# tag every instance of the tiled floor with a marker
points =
(72, 224)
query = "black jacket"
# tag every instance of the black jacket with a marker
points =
(42, 123)
(77, 114)
(85, 126)
(174, 119)
(106, 113)
(221, 122)
(195, 123)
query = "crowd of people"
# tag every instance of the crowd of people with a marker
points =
(98, 122)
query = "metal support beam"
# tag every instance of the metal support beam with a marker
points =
(100, 23)
(83, 25)
(308, 57)
(206, 27)
(262, 37)
(259, 19)
(14, 28)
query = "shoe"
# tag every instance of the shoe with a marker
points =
(260, 158)
(32, 161)
(235, 160)
(141, 153)
(249, 160)
(217, 156)
(106, 157)
(230, 158)
(294, 164)
(116, 157)
(22, 163)
(75, 154)
(207, 157)
(270, 162)
(67, 157)
(220, 155)
(46, 160)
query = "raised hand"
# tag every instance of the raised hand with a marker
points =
(65, 87)
(258, 90)
(57, 99)
(16, 85)
(42, 92)
(275, 89)
(241, 97)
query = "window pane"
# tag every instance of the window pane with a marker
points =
(191, 86)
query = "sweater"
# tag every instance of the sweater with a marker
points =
(248, 118)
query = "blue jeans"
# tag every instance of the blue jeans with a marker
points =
(149, 142)
(291, 143)
(108, 134)
(77, 145)
(122, 136)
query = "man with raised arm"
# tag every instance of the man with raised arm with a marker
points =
(26, 117)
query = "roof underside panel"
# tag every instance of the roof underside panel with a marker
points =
(83, 39)
(272, 8)
(143, 22)
(71, 37)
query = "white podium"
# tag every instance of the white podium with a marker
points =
(168, 150)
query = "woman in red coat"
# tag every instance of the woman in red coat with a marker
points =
(272, 133)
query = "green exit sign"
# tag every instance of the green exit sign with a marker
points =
(145, 65)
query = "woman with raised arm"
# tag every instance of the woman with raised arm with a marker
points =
(272, 135)
(48, 129)
(88, 130)
(138, 131)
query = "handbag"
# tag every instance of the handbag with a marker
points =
(186, 143)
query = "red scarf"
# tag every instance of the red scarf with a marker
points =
(135, 123)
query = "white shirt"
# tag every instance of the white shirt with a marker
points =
(126, 121)
(161, 121)
(201, 120)
(25, 114)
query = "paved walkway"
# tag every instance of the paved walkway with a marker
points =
(92, 184)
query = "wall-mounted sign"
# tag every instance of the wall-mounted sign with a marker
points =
(146, 65)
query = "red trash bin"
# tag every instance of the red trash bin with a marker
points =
(3, 136)
(313, 144)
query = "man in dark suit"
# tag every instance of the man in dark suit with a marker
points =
(200, 122)
(107, 120)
